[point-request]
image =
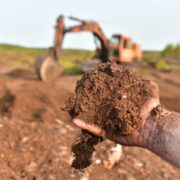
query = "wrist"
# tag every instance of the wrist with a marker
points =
(151, 127)
(162, 136)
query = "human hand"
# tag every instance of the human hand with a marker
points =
(141, 135)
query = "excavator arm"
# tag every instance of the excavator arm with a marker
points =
(48, 68)
(88, 26)
(58, 38)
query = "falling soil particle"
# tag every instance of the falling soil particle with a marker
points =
(83, 149)
(110, 97)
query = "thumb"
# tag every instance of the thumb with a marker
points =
(91, 128)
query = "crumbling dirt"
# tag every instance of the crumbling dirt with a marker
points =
(111, 96)
(83, 149)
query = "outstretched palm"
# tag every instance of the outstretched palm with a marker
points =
(140, 136)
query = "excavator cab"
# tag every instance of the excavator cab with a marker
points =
(113, 49)
(122, 48)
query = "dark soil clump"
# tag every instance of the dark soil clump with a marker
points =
(110, 97)
(83, 148)
(6, 101)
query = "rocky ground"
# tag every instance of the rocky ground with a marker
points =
(36, 135)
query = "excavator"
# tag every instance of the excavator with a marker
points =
(118, 47)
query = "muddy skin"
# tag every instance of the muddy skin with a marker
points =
(110, 97)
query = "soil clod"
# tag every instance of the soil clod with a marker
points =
(110, 96)
(84, 148)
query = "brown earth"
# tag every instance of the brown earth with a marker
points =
(36, 136)
(111, 96)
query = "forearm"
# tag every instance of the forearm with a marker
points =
(164, 137)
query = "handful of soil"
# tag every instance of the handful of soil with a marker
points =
(110, 97)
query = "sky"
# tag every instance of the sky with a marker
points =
(151, 23)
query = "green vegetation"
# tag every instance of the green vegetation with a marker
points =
(74, 70)
(161, 65)
(23, 57)
(19, 56)
(70, 67)
(72, 59)
(144, 72)
(172, 51)
(151, 56)
(167, 60)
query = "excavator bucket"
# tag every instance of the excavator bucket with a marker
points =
(47, 69)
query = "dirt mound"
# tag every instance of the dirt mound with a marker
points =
(21, 73)
(36, 101)
(111, 97)
(30, 100)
